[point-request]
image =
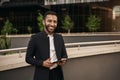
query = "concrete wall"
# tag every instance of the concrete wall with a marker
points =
(100, 67)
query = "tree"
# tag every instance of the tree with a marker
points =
(67, 23)
(8, 28)
(5, 42)
(93, 23)
(40, 23)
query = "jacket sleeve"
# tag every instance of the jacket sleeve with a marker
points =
(64, 52)
(30, 53)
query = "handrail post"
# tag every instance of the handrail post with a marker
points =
(78, 46)
(20, 55)
(115, 44)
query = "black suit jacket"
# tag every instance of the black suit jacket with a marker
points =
(38, 51)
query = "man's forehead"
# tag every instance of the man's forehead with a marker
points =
(51, 16)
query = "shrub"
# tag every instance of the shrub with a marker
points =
(67, 23)
(93, 23)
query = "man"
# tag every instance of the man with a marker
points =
(46, 51)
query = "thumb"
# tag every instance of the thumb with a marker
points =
(48, 59)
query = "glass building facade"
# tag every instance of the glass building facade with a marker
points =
(23, 13)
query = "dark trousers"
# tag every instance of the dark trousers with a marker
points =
(51, 75)
(55, 74)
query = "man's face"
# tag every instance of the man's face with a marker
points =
(50, 23)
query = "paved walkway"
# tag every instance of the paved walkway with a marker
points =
(16, 60)
(74, 34)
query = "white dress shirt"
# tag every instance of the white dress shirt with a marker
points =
(53, 57)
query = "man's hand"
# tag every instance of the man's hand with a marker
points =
(47, 63)
(62, 61)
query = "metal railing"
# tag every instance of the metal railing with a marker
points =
(93, 42)
(23, 49)
(17, 50)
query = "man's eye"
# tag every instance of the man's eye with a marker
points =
(55, 21)
(49, 20)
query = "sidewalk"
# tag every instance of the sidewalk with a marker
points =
(73, 34)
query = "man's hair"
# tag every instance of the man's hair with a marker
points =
(49, 12)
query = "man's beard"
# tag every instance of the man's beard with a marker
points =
(46, 27)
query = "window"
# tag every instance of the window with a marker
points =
(51, 2)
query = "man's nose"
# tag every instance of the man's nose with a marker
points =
(52, 23)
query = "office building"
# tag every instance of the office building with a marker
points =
(23, 13)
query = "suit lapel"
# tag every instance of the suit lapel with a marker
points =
(45, 40)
